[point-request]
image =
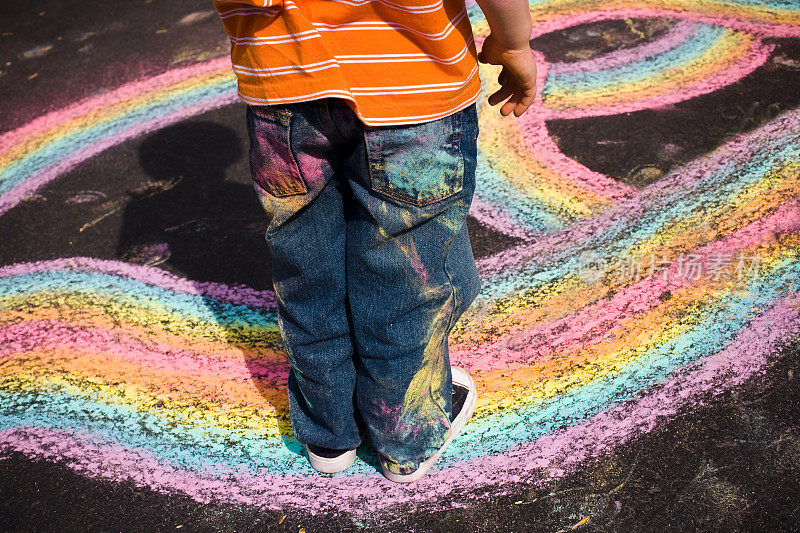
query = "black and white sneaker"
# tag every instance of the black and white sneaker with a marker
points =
(464, 399)
(330, 461)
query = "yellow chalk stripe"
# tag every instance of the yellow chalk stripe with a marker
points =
(233, 405)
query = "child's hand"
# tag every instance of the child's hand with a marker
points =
(517, 78)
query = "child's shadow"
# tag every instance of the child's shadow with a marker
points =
(188, 215)
(189, 218)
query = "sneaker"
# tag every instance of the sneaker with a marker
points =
(330, 461)
(464, 398)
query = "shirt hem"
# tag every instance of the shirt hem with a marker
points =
(430, 112)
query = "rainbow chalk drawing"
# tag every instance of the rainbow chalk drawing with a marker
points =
(126, 372)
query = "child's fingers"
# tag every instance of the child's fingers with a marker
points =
(518, 104)
(509, 106)
(521, 107)
(504, 92)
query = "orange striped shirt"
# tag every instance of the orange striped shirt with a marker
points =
(394, 61)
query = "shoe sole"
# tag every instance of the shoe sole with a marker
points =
(331, 465)
(461, 420)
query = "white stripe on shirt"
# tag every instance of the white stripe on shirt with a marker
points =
(408, 9)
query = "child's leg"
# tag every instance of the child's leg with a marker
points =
(293, 157)
(410, 275)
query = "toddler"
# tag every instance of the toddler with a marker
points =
(363, 134)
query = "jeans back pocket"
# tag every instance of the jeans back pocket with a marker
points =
(416, 164)
(272, 162)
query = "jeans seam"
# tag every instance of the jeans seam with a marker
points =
(301, 178)
(369, 157)
(417, 203)
(457, 141)
(333, 122)
(456, 303)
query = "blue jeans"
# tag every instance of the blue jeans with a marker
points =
(372, 267)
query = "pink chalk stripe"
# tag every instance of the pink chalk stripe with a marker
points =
(757, 56)
(678, 34)
(562, 452)
(536, 138)
(567, 20)
(738, 151)
(47, 335)
(232, 294)
(588, 325)
(550, 457)
(89, 105)
(489, 214)
(33, 183)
